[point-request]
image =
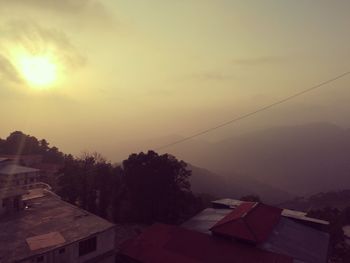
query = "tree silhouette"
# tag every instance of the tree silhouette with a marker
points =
(90, 182)
(251, 198)
(157, 186)
(18, 143)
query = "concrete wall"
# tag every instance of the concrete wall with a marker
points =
(14, 204)
(19, 180)
(105, 244)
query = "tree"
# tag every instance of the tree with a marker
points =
(90, 182)
(251, 198)
(18, 143)
(69, 181)
(157, 187)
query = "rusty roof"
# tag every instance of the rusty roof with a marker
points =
(172, 244)
(250, 221)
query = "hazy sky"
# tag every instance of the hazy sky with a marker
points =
(128, 71)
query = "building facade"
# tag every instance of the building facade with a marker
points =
(36, 226)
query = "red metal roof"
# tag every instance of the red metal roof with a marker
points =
(249, 221)
(163, 243)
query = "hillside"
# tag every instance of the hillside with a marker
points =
(336, 199)
(302, 160)
(205, 181)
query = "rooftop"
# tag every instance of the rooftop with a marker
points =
(9, 169)
(298, 215)
(203, 221)
(172, 244)
(288, 236)
(302, 242)
(47, 218)
(249, 221)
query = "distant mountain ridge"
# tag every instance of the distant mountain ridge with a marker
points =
(334, 199)
(220, 186)
(302, 159)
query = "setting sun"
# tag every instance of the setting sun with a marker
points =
(38, 71)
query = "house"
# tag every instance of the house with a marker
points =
(43, 228)
(24, 159)
(297, 216)
(173, 244)
(233, 231)
(279, 230)
(14, 180)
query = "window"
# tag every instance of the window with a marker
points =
(61, 251)
(40, 259)
(87, 246)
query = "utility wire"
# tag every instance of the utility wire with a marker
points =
(264, 108)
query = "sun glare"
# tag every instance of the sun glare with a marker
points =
(38, 71)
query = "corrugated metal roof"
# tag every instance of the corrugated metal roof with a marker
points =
(162, 243)
(303, 243)
(302, 216)
(229, 203)
(203, 221)
(249, 221)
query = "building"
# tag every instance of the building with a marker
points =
(14, 180)
(234, 231)
(24, 159)
(172, 244)
(43, 228)
(284, 231)
(297, 216)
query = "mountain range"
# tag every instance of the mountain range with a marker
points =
(295, 160)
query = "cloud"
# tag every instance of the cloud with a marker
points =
(32, 39)
(8, 73)
(257, 61)
(36, 39)
(70, 6)
(82, 13)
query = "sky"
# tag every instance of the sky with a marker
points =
(117, 76)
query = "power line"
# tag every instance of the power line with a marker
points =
(264, 108)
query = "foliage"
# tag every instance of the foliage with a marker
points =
(147, 188)
(157, 187)
(251, 198)
(18, 143)
(90, 182)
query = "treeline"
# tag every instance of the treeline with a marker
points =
(18, 143)
(146, 188)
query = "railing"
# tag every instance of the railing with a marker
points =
(37, 185)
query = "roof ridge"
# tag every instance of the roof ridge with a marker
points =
(250, 210)
(236, 219)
